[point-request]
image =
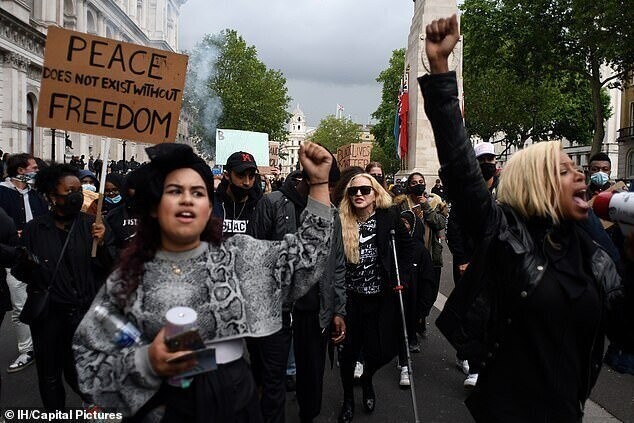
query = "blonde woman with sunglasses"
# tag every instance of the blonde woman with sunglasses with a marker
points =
(373, 324)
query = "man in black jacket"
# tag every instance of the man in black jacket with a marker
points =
(276, 215)
(22, 204)
(237, 194)
(461, 245)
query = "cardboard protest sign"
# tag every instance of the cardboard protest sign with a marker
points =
(355, 154)
(106, 87)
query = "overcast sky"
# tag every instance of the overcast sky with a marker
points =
(330, 51)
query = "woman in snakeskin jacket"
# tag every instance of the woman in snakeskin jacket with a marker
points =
(237, 288)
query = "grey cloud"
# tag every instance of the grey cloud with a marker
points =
(328, 43)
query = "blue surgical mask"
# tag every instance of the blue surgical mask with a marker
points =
(113, 200)
(600, 178)
(89, 187)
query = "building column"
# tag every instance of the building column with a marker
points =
(13, 119)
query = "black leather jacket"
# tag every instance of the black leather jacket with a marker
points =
(506, 267)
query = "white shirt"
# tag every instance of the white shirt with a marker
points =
(25, 197)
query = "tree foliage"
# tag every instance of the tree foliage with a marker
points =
(333, 133)
(549, 53)
(384, 150)
(229, 87)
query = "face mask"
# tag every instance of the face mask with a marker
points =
(600, 178)
(239, 192)
(488, 170)
(27, 178)
(113, 200)
(72, 203)
(89, 187)
(379, 179)
(417, 190)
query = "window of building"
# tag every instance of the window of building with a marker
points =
(69, 7)
(299, 118)
(631, 113)
(91, 26)
(629, 171)
(30, 143)
(36, 9)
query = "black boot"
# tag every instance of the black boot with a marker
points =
(347, 411)
(369, 397)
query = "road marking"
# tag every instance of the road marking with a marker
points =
(594, 413)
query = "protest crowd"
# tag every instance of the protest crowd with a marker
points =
(193, 299)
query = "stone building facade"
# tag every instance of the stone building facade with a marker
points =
(421, 156)
(23, 26)
(626, 130)
(298, 131)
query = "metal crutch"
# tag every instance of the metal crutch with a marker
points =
(399, 289)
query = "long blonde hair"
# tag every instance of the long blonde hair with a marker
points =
(530, 181)
(350, 229)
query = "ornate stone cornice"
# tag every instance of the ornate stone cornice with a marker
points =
(15, 60)
(14, 125)
(22, 35)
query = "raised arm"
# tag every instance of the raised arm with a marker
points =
(316, 161)
(460, 172)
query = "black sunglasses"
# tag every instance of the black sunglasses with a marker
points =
(365, 190)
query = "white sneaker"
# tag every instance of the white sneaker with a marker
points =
(404, 380)
(463, 365)
(23, 361)
(470, 381)
(358, 370)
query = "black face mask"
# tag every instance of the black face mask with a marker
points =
(416, 190)
(72, 204)
(379, 179)
(488, 170)
(239, 192)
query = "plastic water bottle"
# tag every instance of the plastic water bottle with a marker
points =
(123, 333)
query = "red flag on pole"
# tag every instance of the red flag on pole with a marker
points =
(402, 114)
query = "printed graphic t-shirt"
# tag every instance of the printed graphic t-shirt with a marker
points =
(364, 277)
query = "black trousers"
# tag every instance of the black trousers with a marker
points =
(429, 292)
(52, 349)
(411, 316)
(1, 319)
(310, 344)
(226, 394)
(456, 274)
(362, 333)
(269, 356)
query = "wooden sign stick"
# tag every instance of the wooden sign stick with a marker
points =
(102, 187)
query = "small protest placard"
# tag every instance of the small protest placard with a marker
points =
(101, 86)
(355, 154)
